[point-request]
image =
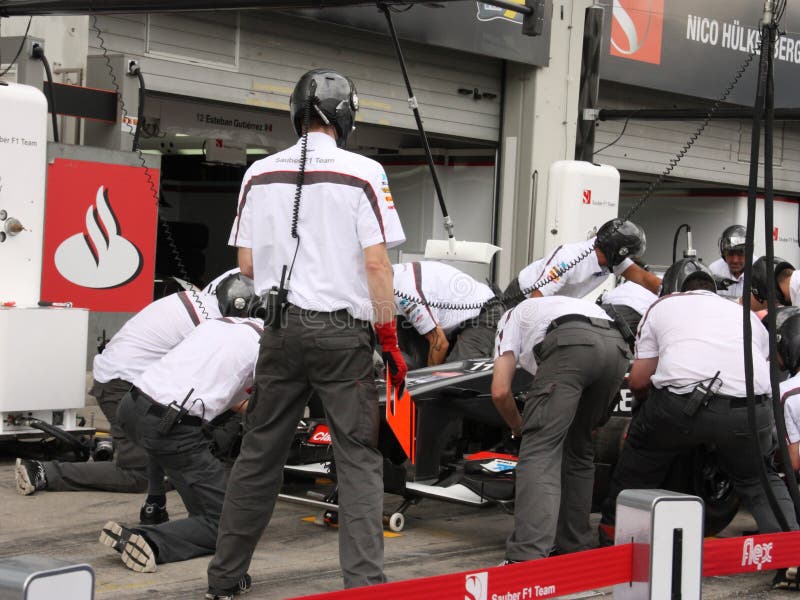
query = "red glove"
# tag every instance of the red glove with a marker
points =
(395, 365)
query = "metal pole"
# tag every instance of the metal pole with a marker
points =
(590, 83)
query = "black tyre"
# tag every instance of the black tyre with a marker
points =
(699, 473)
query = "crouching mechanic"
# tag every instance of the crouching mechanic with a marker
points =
(789, 355)
(787, 283)
(423, 291)
(578, 359)
(688, 366)
(143, 340)
(578, 268)
(626, 304)
(202, 377)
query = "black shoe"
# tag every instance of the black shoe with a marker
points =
(153, 514)
(135, 551)
(786, 579)
(244, 585)
(29, 476)
(605, 533)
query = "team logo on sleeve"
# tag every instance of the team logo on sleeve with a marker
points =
(387, 193)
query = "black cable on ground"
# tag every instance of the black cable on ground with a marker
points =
(78, 447)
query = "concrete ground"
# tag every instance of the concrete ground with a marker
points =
(295, 557)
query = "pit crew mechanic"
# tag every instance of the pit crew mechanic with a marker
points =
(165, 412)
(578, 359)
(451, 334)
(612, 250)
(730, 265)
(141, 342)
(321, 339)
(688, 367)
(626, 304)
(789, 356)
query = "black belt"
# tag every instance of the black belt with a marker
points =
(735, 402)
(342, 312)
(159, 409)
(731, 401)
(602, 323)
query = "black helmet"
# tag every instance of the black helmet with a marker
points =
(732, 239)
(781, 314)
(789, 342)
(618, 240)
(683, 271)
(761, 273)
(334, 100)
(235, 295)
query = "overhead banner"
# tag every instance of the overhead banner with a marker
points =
(100, 235)
(474, 27)
(695, 48)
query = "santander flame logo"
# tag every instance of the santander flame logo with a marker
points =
(636, 29)
(99, 257)
(476, 586)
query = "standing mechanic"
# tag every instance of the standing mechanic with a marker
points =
(578, 359)
(165, 412)
(423, 291)
(577, 268)
(729, 267)
(315, 220)
(688, 366)
(142, 341)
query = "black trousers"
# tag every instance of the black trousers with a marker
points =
(661, 431)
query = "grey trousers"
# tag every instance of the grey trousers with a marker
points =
(127, 472)
(476, 338)
(198, 477)
(581, 367)
(330, 354)
(661, 431)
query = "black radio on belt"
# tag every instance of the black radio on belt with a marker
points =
(173, 414)
(700, 396)
(275, 304)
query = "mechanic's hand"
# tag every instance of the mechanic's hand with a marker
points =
(395, 365)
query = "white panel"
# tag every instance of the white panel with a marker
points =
(721, 154)
(276, 49)
(708, 216)
(581, 196)
(48, 344)
(23, 162)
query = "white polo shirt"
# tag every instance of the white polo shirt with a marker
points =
(791, 408)
(720, 268)
(433, 281)
(217, 360)
(694, 335)
(632, 295)
(346, 207)
(579, 280)
(794, 288)
(525, 325)
(151, 333)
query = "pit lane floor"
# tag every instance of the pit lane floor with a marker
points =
(295, 557)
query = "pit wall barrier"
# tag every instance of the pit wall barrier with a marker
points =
(636, 569)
